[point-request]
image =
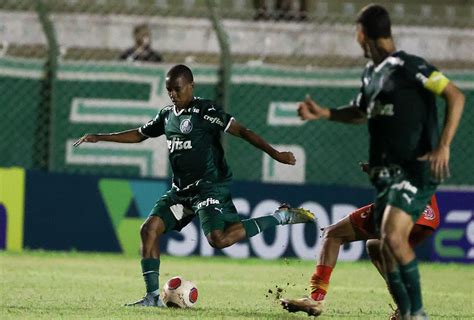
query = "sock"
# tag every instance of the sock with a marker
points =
(151, 271)
(411, 279)
(320, 282)
(399, 292)
(257, 225)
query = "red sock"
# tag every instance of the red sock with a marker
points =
(320, 282)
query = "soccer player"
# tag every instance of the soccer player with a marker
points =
(408, 157)
(201, 177)
(358, 225)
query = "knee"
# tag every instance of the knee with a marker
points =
(373, 247)
(330, 235)
(394, 241)
(327, 232)
(148, 230)
(216, 240)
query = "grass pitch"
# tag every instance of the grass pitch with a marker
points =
(43, 285)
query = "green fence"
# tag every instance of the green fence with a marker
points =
(104, 97)
(60, 76)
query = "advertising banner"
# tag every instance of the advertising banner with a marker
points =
(89, 213)
(454, 240)
(12, 200)
(92, 213)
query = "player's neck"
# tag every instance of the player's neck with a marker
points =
(381, 49)
(184, 106)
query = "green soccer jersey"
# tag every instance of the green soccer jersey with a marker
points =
(193, 138)
(398, 96)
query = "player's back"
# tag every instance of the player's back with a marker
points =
(402, 112)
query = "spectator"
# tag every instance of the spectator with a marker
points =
(283, 10)
(142, 50)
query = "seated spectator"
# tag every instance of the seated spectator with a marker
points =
(142, 50)
(284, 10)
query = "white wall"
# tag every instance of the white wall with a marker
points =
(171, 34)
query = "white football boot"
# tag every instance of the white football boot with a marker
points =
(288, 215)
(147, 301)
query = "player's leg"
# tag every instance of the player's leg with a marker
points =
(405, 205)
(379, 258)
(222, 225)
(217, 215)
(161, 220)
(234, 232)
(403, 278)
(356, 226)
(383, 261)
(333, 237)
(418, 234)
(150, 233)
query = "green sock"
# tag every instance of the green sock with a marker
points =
(411, 278)
(151, 271)
(256, 225)
(399, 292)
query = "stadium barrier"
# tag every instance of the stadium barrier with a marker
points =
(96, 213)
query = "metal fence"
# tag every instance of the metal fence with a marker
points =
(65, 70)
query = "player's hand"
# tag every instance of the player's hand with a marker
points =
(285, 157)
(439, 162)
(93, 138)
(310, 110)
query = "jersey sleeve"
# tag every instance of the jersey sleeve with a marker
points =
(359, 100)
(426, 75)
(153, 128)
(216, 118)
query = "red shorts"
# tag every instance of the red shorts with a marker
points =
(362, 220)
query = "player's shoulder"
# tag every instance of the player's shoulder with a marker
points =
(165, 110)
(410, 60)
(205, 105)
(369, 66)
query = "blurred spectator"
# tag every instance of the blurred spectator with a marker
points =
(142, 50)
(261, 12)
(283, 10)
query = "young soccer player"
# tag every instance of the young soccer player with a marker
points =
(407, 156)
(201, 176)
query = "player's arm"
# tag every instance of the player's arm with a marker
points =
(310, 110)
(238, 130)
(439, 157)
(128, 136)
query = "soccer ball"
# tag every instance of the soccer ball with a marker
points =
(179, 293)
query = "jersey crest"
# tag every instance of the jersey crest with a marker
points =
(429, 213)
(186, 126)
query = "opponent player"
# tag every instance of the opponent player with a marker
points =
(358, 225)
(407, 156)
(201, 176)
